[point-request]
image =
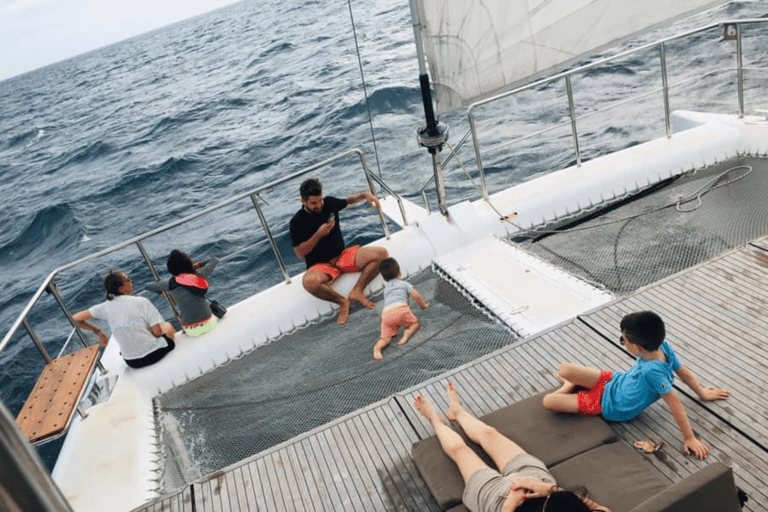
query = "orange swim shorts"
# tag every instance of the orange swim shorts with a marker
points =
(395, 317)
(589, 402)
(344, 264)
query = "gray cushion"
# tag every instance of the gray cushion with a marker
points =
(710, 489)
(615, 475)
(550, 436)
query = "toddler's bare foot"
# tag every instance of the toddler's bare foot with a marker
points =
(403, 341)
(453, 397)
(356, 296)
(426, 410)
(343, 313)
(377, 355)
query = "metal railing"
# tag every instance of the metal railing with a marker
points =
(732, 28)
(49, 283)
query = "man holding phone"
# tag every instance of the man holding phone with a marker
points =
(317, 239)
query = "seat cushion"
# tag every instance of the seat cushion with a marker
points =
(550, 436)
(614, 474)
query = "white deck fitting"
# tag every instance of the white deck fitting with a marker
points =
(528, 294)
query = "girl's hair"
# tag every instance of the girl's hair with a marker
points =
(112, 283)
(179, 262)
(558, 501)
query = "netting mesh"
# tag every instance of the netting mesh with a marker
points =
(691, 219)
(313, 376)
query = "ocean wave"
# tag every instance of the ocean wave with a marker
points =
(54, 230)
(24, 138)
(387, 100)
(138, 179)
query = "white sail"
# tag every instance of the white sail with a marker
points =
(476, 49)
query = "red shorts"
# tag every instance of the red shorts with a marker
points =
(343, 264)
(589, 402)
(395, 317)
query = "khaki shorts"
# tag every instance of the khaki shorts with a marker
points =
(487, 488)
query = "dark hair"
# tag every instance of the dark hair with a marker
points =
(644, 328)
(310, 187)
(389, 268)
(179, 262)
(559, 501)
(112, 283)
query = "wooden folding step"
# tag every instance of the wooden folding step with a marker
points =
(49, 409)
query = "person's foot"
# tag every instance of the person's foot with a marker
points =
(377, 355)
(358, 296)
(343, 313)
(403, 341)
(453, 397)
(425, 409)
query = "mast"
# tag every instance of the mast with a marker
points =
(434, 134)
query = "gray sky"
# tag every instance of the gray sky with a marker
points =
(35, 33)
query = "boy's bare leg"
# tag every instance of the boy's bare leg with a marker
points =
(380, 345)
(573, 376)
(500, 448)
(367, 259)
(409, 331)
(318, 284)
(451, 442)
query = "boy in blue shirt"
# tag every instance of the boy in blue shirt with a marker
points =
(621, 396)
(396, 311)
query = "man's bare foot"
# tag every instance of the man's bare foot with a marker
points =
(453, 397)
(425, 409)
(357, 296)
(377, 355)
(343, 313)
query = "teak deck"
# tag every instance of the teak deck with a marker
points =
(716, 321)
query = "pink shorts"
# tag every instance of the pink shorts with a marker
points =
(395, 317)
(343, 264)
(589, 402)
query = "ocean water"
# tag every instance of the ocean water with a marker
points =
(108, 145)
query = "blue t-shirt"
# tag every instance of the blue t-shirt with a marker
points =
(396, 292)
(628, 393)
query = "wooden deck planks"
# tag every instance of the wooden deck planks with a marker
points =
(715, 313)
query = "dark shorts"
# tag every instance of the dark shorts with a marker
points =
(589, 402)
(152, 357)
(344, 264)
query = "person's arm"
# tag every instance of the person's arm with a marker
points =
(363, 196)
(419, 299)
(690, 443)
(206, 267)
(705, 393)
(82, 317)
(309, 245)
(157, 286)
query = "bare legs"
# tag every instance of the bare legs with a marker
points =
(319, 284)
(384, 341)
(367, 259)
(500, 448)
(574, 376)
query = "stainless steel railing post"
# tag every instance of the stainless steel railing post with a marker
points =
(36, 340)
(572, 110)
(665, 88)
(476, 145)
(740, 69)
(156, 277)
(369, 179)
(271, 239)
